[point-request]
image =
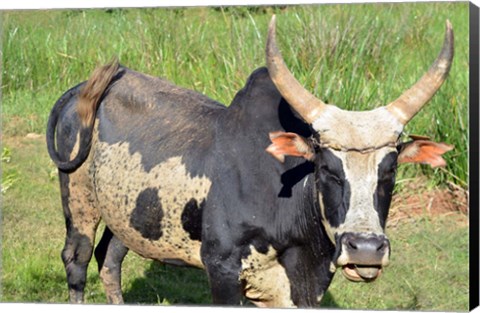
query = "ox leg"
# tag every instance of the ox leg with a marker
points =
(81, 221)
(76, 255)
(109, 254)
(225, 285)
(223, 270)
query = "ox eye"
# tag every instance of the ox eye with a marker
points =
(387, 169)
(388, 174)
(331, 175)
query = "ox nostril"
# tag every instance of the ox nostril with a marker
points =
(352, 245)
(380, 247)
(383, 245)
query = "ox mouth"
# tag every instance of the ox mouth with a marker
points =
(361, 273)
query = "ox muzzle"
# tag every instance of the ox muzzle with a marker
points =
(362, 256)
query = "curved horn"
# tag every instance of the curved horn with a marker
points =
(412, 100)
(302, 101)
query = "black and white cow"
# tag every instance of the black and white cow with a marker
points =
(182, 179)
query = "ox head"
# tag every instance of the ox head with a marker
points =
(356, 156)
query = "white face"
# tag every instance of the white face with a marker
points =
(355, 175)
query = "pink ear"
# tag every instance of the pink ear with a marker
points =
(424, 151)
(289, 144)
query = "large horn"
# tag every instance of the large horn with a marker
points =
(302, 101)
(412, 100)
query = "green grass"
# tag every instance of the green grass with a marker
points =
(356, 56)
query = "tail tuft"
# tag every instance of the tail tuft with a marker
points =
(93, 90)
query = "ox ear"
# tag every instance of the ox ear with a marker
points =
(421, 150)
(289, 144)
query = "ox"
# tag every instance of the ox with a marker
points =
(182, 179)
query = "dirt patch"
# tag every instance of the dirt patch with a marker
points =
(14, 125)
(418, 202)
(34, 136)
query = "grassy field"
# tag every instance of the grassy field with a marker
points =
(356, 56)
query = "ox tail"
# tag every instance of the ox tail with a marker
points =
(88, 101)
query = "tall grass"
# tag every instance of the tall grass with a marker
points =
(355, 56)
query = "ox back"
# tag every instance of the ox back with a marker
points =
(182, 179)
